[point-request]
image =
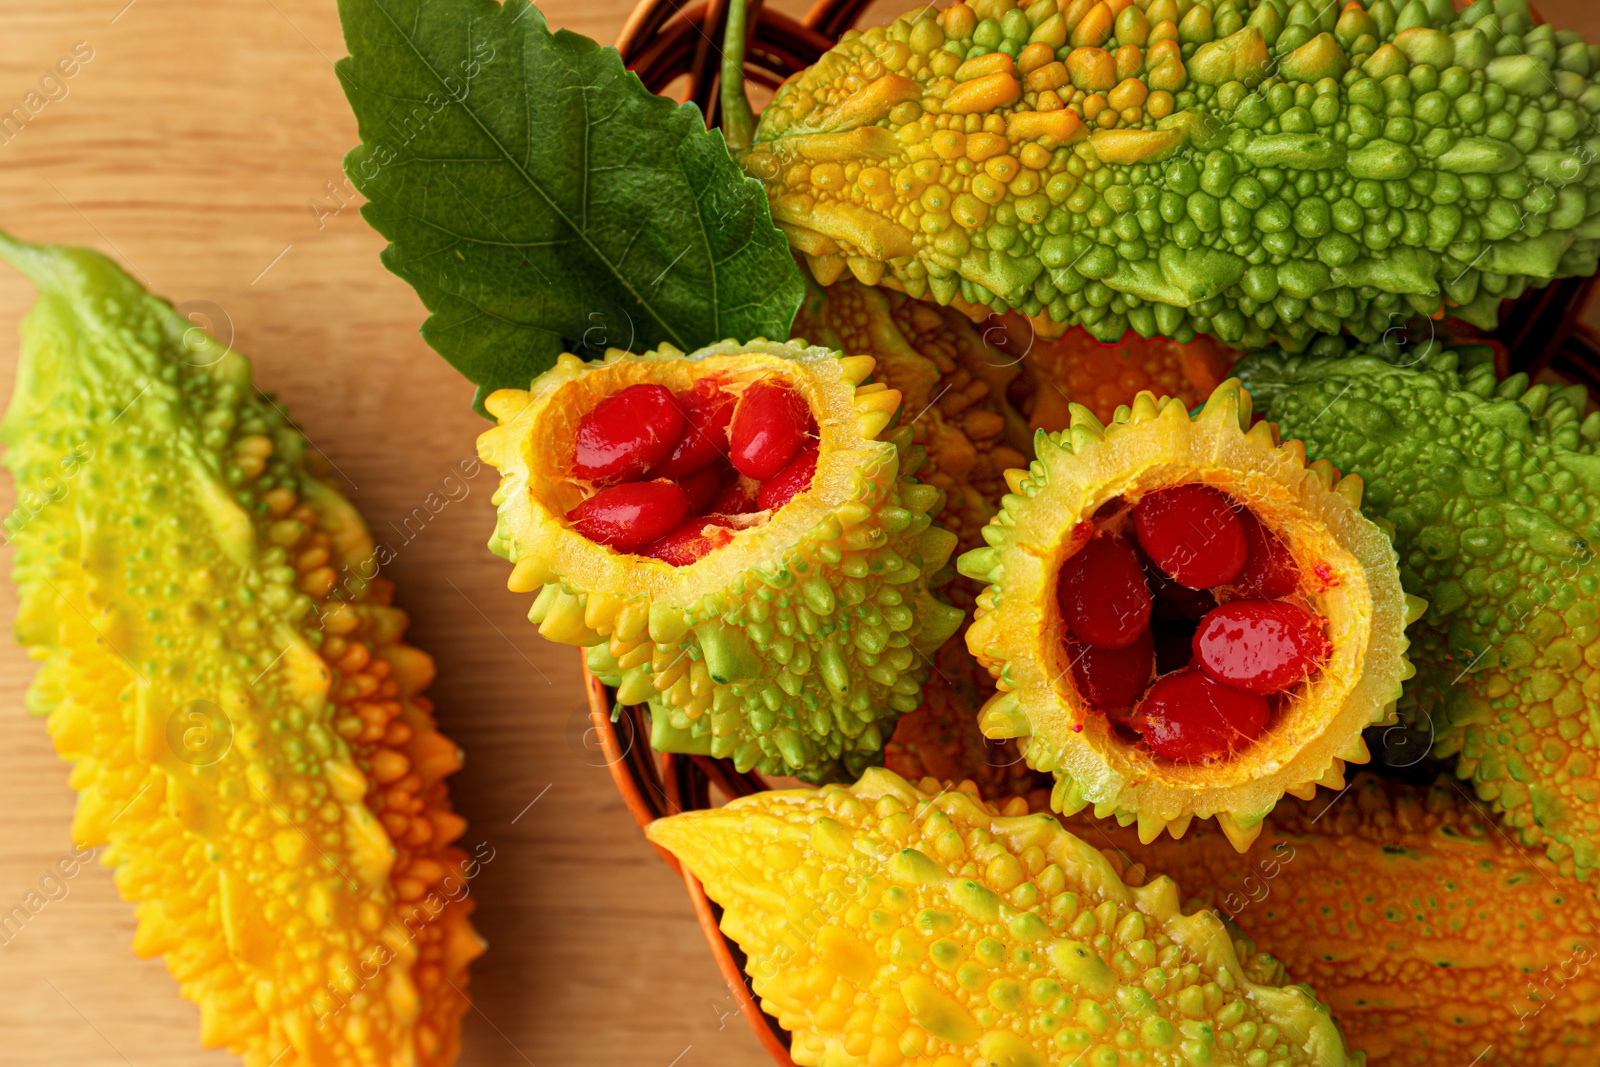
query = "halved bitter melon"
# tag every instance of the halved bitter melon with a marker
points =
(246, 723)
(794, 646)
(1346, 574)
(904, 925)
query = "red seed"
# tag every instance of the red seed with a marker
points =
(794, 478)
(1188, 718)
(1102, 593)
(626, 434)
(689, 542)
(768, 428)
(707, 410)
(738, 497)
(1113, 679)
(1261, 646)
(1269, 569)
(1192, 533)
(630, 516)
(703, 485)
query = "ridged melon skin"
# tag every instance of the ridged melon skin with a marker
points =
(794, 648)
(1348, 571)
(1433, 936)
(899, 925)
(1262, 172)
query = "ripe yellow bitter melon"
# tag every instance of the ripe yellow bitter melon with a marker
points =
(892, 924)
(1346, 573)
(225, 671)
(793, 647)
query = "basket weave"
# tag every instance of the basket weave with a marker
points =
(665, 43)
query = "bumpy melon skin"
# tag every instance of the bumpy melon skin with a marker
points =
(1493, 492)
(246, 726)
(1258, 171)
(1348, 570)
(790, 650)
(1433, 937)
(891, 924)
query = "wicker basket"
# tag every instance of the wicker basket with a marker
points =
(678, 47)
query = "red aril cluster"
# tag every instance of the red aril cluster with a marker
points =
(671, 469)
(631, 515)
(1192, 533)
(1183, 623)
(769, 426)
(1102, 592)
(1113, 679)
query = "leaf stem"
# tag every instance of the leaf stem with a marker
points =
(738, 121)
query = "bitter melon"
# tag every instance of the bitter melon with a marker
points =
(225, 671)
(890, 924)
(794, 646)
(952, 384)
(1074, 498)
(1491, 490)
(1075, 368)
(941, 739)
(1250, 169)
(1433, 937)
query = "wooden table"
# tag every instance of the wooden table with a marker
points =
(200, 145)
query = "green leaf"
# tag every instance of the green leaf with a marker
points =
(540, 199)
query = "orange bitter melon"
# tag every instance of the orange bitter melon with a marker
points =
(1431, 933)
(953, 387)
(1075, 368)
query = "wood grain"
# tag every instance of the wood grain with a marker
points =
(200, 145)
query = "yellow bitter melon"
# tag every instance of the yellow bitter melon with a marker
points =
(1348, 574)
(227, 675)
(792, 648)
(891, 924)
(1432, 935)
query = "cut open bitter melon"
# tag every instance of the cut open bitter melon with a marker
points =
(1347, 573)
(792, 648)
